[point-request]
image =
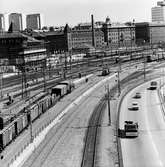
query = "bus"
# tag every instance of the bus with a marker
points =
(131, 129)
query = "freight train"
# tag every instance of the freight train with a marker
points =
(10, 130)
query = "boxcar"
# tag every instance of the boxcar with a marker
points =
(21, 122)
(4, 120)
(70, 85)
(7, 135)
(59, 90)
(34, 112)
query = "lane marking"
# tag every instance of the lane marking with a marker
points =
(151, 138)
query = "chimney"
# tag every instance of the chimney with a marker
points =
(93, 31)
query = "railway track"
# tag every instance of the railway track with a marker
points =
(88, 158)
(54, 139)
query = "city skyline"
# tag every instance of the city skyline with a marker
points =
(58, 13)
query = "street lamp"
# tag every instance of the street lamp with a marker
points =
(109, 108)
(144, 60)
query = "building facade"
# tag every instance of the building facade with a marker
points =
(57, 41)
(33, 21)
(118, 35)
(83, 37)
(158, 12)
(157, 33)
(142, 33)
(16, 20)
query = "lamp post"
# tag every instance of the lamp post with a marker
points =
(109, 108)
(144, 60)
(1, 82)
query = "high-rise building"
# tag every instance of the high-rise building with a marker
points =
(158, 12)
(16, 19)
(33, 21)
(2, 22)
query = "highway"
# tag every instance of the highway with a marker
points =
(70, 126)
(147, 150)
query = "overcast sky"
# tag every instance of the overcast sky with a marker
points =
(60, 12)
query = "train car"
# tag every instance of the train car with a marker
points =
(7, 135)
(45, 104)
(4, 120)
(34, 112)
(59, 90)
(21, 123)
(70, 85)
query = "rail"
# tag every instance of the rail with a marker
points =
(89, 152)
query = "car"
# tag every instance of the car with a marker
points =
(134, 106)
(153, 85)
(137, 95)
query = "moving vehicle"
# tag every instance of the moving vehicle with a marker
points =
(131, 129)
(153, 85)
(134, 106)
(137, 95)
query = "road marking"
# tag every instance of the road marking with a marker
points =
(151, 137)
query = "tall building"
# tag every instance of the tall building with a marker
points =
(158, 12)
(33, 21)
(2, 22)
(16, 19)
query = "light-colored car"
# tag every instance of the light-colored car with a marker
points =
(137, 95)
(135, 106)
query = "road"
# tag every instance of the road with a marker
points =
(147, 150)
(81, 124)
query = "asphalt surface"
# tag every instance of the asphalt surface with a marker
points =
(147, 150)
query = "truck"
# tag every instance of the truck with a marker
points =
(153, 85)
(131, 129)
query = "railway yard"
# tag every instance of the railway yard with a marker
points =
(68, 124)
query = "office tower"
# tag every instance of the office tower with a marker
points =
(158, 12)
(16, 19)
(33, 21)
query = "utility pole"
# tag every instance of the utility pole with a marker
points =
(144, 60)
(118, 79)
(144, 67)
(1, 82)
(31, 131)
(44, 75)
(109, 108)
(65, 68)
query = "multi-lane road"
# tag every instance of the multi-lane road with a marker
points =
(147, 150)
(66, 144)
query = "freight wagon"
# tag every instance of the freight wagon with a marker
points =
(59, 90)
(70, 85)
(31, 113)
(15, 127)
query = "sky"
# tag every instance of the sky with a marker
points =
(60, 12)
